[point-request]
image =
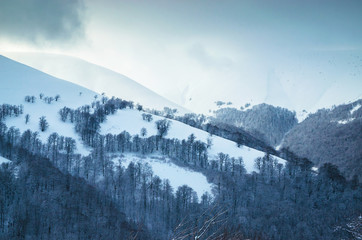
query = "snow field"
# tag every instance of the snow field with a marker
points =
(96, 78)
(165, 169)
(18, 81)
(50, 111)
(131, 121)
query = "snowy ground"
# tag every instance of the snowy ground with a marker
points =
(96, 78)
(345, 121)
(4, 160)
(165, 169)
(132, 122)
(50, 111)
(18, 81)
(355, 108)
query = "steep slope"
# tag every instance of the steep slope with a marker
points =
(43, 202)
(330, 135)
(303, 86)
(86, 198)
(269, 122)
(18, 81)
(94, 77)
(131, 121)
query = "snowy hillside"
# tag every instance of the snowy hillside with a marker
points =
(291, 90)
(165, 169)
(132, 122)
(94, 77)
(18, 80)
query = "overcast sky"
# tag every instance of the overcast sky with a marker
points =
(176, 48)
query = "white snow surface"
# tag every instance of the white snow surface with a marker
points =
(18, 80)
(312, 82)
(165, 169)
(345, 121)
(95, 77)
(4, 160)
(132, 122)
(355, 108)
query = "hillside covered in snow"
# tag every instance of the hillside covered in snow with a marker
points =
(89, 164)
(20, 82)
(95, 78)
(288, 89)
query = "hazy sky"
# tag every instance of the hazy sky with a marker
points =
(176, 48)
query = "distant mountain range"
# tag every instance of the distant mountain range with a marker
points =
(327, 136)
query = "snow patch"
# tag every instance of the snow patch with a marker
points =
(4, 160)
(345, 121)
(355, 108)
(278, 147)
(165, 169)
(302, 115)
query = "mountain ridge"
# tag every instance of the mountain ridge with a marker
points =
(94, 77)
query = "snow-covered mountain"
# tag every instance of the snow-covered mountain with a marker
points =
(153, 181)
(300, 89)
(18, 81)
(95, 78)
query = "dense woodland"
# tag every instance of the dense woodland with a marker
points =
(49, 192)
(331, 135)
(224, 129)
(264, 121)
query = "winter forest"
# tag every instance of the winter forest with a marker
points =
(180, 120)
(51, 192)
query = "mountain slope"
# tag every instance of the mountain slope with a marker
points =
(82, 198)
(131, 121)
(94, 77)
(330, 135)
(18, 81)
(266, 120)
(43, 202)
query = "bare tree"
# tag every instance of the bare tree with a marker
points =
(43, 124)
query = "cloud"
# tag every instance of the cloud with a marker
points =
(206, 59)
(41, 21)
